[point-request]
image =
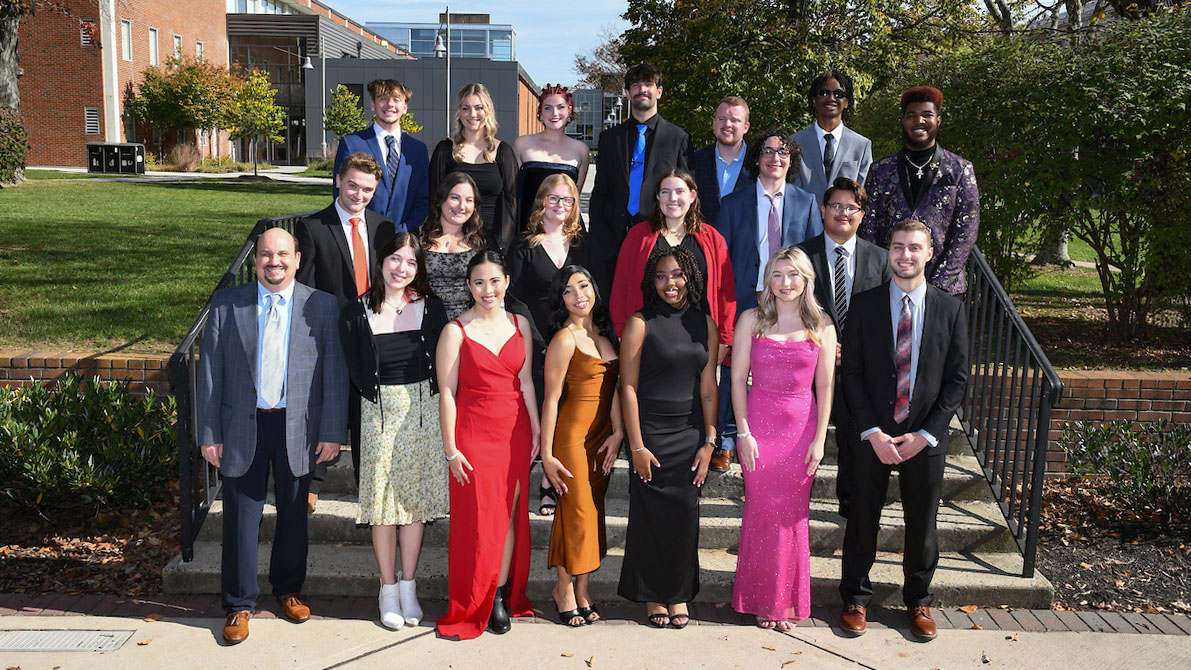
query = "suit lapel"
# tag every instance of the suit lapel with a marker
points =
(899, 197)
(400, 185)
(335, 230)
(788, 206)
(817, 250)
(245, 315)
(930, 332)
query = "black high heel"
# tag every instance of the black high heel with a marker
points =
(587, 612)
(565, 618)
(499, 621)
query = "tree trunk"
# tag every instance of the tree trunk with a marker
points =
(10, 96)
(1053, 249)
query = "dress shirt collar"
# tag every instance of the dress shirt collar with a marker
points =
(381, 133)
(850, 246)
(762, 194)
(651, 122)
(916, 296)
(837, 133)
(262, 294)
(744, 147)
(345, 217)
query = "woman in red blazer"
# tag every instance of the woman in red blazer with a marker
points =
(676, 222)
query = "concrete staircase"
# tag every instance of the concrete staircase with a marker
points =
(979, 565)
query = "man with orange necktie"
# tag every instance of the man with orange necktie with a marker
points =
(338, 246)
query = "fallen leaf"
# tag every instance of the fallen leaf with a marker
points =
(968, 609)
(156, 616)
(1011, 637)
(768, 647)
(567, 654)
(143, 642)
(984, 658)
(788, 662)
(1086, 566)
(591, 662)
(977, 626)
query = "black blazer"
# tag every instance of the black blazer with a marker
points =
(708, 184)
(326, 262)
(669, 148)
(363, 359)
(870, 374)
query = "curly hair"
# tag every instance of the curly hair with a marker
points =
(752, 159)
(695, 282)
(558, 306)
(488, 131)
(418, 288)
(808, 308)
(555, 89)
(535, 232)
(473, 228)
(693, 220)
(841, 78)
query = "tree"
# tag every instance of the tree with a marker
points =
(344, 115)
(769, 51)
(185, 93)
(14, 144)
(255, 115)
(603, 66)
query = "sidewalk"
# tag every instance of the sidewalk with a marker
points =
(276, 173)
(185, 632)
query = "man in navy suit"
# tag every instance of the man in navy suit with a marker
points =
(403, 192)
(719, 167)
(845, 266)
(272, 394)
(756, 222)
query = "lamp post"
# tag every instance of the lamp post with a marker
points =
(442, 49)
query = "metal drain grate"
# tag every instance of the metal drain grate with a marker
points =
(63, 640)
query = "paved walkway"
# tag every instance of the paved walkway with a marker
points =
(277, 173)
(183, 632)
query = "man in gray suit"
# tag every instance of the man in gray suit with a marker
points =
(829, 149)
(272, 393)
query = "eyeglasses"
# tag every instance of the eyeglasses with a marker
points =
(837, 93)
(846, 209)
(770, 152)
(566, 200)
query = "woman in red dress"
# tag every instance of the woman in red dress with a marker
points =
(490, 435)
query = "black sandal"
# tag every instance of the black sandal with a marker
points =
(549, 498)
(565, 618)
(675, 623)
(587, 612)
(659, 620)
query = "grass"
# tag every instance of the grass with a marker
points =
(313, 172)
(103, 265)
(38, 175)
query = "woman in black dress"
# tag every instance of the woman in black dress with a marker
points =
(451, 235)
(474, 150)
(550, 151)
(668, 358)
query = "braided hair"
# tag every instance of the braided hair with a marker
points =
(686, 261)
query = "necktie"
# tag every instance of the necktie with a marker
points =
(775, 224)
(637, 171)
(841, 287)
(272, 353)
(902, 356)
(391, 161)
(359, 257)
(828, 154)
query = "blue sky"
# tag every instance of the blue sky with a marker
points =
(548, 34)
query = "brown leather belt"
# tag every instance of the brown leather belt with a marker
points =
(272, 410)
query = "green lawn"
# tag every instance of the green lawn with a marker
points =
(38, 175)
(98, 265)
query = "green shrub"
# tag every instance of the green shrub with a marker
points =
(85, 444)
(14, 144)
(1147, 469)
(327, 164)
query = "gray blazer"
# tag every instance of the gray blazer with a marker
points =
(853, 157)
(315, 383)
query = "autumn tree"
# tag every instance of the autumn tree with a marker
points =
(344, 115)
(603, 66)
(255, 115)
(185, 92)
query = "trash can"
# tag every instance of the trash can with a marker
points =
(94, 157)
(116, 157)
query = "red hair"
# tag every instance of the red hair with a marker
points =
(555, 89)
(922, 94)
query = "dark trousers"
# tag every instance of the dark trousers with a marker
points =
(243, 505)
(847, 444)
(727, 418)
(921, 484)
(353, 424)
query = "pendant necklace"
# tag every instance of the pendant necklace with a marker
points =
(919, 167)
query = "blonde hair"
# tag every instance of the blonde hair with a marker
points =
(809, 309)
(535, 232)
(487, 131)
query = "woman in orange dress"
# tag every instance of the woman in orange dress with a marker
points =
(580, 436)
(489, 424)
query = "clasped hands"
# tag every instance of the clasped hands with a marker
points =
(893, 450)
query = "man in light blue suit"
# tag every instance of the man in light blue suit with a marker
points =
(272, 395)
(756, 222)
(403, 194)
(829, 149)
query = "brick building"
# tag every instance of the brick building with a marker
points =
(78, 66)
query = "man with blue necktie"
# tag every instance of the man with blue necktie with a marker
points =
(631, 160)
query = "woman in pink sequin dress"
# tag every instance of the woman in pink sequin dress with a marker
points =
(787, 343)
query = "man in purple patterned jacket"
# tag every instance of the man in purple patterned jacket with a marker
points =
(927, 183)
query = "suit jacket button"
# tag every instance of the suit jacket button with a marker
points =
(252, 417)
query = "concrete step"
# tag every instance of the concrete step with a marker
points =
(962, 480)
(964, 525)
(970, 578)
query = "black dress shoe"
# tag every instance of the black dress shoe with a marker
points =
(499, 621)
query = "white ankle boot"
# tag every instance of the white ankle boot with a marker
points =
(390, 610)
(409, 602)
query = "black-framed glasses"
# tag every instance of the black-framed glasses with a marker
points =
(846, 209)
(770, 152)
(566, 200)
(837, 93)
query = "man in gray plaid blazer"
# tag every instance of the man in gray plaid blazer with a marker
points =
(272, 394)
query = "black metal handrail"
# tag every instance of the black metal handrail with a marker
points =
(198, 480)
(1006, 412)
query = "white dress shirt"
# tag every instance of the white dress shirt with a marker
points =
(763, 205)
(820, 133)
(346, 225)
(849, 266)
(381, 134)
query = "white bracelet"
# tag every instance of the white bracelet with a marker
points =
(636, 450)
(740, 435)
(454, 455)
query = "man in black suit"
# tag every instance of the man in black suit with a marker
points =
(338, 246)
(632, 158)
(845, 266)
(905, 360)
(719, 167)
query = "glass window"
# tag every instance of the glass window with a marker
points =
(126, 39)
(198, 50)
(177, 46)
(153, 55)
(421, 42)
(502, 44)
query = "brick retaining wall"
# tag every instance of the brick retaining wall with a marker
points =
(146, 371)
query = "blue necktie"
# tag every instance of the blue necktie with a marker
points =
(391, 161)
(637, 171)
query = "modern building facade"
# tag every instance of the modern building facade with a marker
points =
(472, 36)
(595, 112)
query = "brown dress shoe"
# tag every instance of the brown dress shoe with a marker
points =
(720, 460)
(311, 502)
(853, 621)
(295, 607)
(921, 625)
(235, 629)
